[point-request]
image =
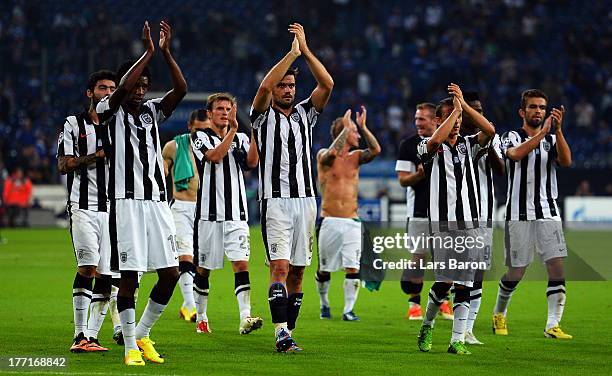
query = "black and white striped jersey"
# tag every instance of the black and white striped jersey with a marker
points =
(136, 163)
(86, 185)
(416, 195)
(285, 151)
(484, 180)
(453, 194)
(221, 195)
(532, 181)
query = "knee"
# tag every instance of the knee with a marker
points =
(202, 272)
(323, 276)
(240, 266)
(171, 275)
(279, 270)
(87, 271)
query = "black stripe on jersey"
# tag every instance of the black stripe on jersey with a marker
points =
(472, 198)
(293, 184)
(537, 175)
(510, 190)
(212, 192)
(276, 157)
(84, 180)
(458, 184)
(308, 184)
(442, 193)
(112, 229)
(523, 190)
(227, 186)
(143, 155)
(264, 225)
(161, 184)
(100, 172)
(200, 167)
(263, 130)
(489, 193)
(551, 202)
(129, 158)
(111, 177)
(241, 194)
(70, 177)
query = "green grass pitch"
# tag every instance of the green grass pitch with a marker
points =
(37, 268)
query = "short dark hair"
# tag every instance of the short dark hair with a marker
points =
(444, 102)
(336, 128)
(123, 68)
(103, 74)
(532, 93)
(293, 71)
(471, 96)
(219, 97)
(199, 115)
(427, 106)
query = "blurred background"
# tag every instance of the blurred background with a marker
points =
(387, 55)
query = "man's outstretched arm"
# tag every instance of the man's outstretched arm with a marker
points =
(325, 83)
(274, 76)
(179, 86)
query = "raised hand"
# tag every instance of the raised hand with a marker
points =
(361, 117)
(147, 41)
(346, 119)
(165, 35)
(295, 47)
(557, 115)
(233, 123)
(298, 31)
(455, 91)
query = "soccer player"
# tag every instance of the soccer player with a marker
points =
(339, 231)
(222, 213)
(487, 161)
(143, 236)
(533, 222)
(80, 155)
(180, 163)
(283, 132)
(411, 174)
(453, 210)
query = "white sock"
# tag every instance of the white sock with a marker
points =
(149, 317)
(504, 293)
(460, 312)
(97, 313)
(201, 302)
(555, 295)
(323, 288)
(278, 326)
(128, 326)
(186, 284)
(475, 300)
(351, 291)
(244, 301)
(81, 298)
(113, 307)
(433, 306)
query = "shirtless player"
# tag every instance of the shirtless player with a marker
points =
(339, 231)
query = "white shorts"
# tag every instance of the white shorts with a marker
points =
(487, 234)
(339, 243)
(458, 260)
(91, 238)
(217, 238)
(143, 236)
(287, 227)
(522, 238)
(418, 228)
(184, 213)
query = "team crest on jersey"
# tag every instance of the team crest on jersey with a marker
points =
(123, 257)
(198, 143)
(546, 146)
(202, 259)
(295, 116)
(80, 254)
(146, 118)
(273, 247)
(461, 149)
(232, 146)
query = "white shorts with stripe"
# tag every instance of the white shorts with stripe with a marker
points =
(184, 213)
(339, 243)
(143, 236)
(417, 229)
(287, 227)
(91, 238)
(523, 238)
(218, 238)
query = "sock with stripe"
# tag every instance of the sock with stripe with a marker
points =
(242, 289)
(112, 305)
(277, 298)
(506, 288)
(187, 272)
(475, 300)
(461, 309)
(323, 281)
(127, 315)
(351, 291)
(294, 303)
(200, 290)
(98, 306)
(414, 290)
(437, 293)
(555, 295)
(158, 300)
(81, 297)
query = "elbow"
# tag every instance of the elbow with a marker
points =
(376, 151)
(565, 162)
(265, 88)
(328, 84)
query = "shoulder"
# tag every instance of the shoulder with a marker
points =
(169, 148)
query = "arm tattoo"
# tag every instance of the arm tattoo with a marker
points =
(367, 155)
(68, 163)
(337, 145)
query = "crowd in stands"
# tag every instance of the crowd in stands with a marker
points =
(388, 55)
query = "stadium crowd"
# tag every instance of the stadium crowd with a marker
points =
(389, 57)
